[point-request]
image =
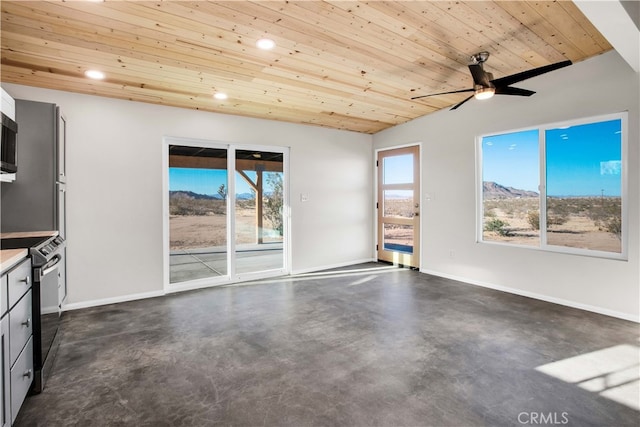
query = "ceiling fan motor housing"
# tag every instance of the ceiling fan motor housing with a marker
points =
(479, 57)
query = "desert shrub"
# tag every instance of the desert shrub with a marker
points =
(606, 215)
(196, 207)
(491, 204)
(497, 226)
(273, 203)
(533, 217)
(614, 226)
(489, 213)
(556, 219)
(246, 203)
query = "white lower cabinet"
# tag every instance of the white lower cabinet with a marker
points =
(16, 341)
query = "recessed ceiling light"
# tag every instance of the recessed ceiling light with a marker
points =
(265, 44)
(94, 74)
(221, 96)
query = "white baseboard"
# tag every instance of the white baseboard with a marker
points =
(567, 303)
(187, 287)
(329, 267)
(112, 300)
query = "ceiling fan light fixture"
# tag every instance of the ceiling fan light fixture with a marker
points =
(484, 93)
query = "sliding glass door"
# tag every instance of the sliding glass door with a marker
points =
(226, 208)
(259, 219)
(198, 180)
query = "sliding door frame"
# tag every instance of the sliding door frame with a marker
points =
(231, 277)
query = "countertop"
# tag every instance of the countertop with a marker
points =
(11, 257)
(18, 234)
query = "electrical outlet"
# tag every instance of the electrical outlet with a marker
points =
(304, 197)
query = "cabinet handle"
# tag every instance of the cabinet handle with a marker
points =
(26, 323)
(26, 280)
(27, 373)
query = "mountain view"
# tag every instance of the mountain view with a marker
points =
(197, 196)
(493, 190)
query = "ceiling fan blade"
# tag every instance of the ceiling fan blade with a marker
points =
(508, 90)
(443, 93)
(479, 75)
(460, 103)
(515, 78)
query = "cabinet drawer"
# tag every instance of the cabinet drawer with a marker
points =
(21, 378)
(19, 282)
(4, 294)
(20, 326)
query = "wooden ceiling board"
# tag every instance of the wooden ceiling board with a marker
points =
(351, 65)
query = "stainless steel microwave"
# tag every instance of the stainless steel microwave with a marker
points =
(9, 145)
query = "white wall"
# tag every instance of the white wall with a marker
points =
(600, 85)
(114, 202)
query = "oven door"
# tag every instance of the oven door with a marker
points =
(45, 301)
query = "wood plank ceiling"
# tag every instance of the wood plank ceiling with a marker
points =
(343, 65)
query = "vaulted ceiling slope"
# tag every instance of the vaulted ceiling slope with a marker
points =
(342, 65)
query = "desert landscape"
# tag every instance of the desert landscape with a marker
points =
(197, 221)
(395, 234)
(578, 222)
(510, 216)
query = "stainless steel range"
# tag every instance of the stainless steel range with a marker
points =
(46, 259)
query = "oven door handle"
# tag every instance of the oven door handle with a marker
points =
(50, 266)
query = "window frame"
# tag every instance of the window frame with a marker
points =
(542, 186)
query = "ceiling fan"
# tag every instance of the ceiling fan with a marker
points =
(485, 86)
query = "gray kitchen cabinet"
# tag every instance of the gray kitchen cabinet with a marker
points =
(36, 200)
(20, 326)
(16, 340)
(19, 282)
(33, 196)
(21, 378)
(4, 284)
(5, 375)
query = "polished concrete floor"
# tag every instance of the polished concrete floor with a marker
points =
(370, 346)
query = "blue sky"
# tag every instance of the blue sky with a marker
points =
(204, 181)
(512, 160)
(584, 160)
(398, 169)
(581, 160)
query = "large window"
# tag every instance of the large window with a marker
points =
(559, 187)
